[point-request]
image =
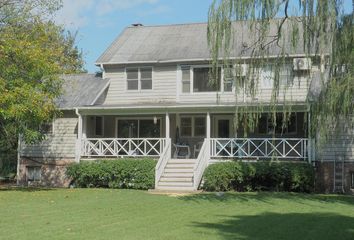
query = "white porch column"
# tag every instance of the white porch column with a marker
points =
(167, 123)
(208, 126)
(79, 136)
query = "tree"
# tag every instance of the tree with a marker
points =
(326, 33)
(34, 52)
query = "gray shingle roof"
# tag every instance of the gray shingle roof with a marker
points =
(184, 42)
(80, 90)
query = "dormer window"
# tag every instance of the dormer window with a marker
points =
(139, 78)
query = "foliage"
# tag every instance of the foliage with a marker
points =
(124, 173)
(274, 176)
(318, 28)
(33, 54)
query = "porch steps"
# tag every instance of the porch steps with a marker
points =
(177, 175)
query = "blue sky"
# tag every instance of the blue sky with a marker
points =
(99, 22)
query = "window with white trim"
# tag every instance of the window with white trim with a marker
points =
(268, 74)
(139, 78)
(33, 173)
(203, 80)
(228, 79)
(193, 126)
(186, 79)
(99, 126)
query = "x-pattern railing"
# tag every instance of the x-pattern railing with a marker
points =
(122, 147)
(259, 147)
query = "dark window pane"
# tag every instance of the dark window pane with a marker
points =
(262, 124)
(146, 84)
(132, 74)
(133, 85)
(146, 73)
(148, 129)
(199, 126)
(186, 126)
(99, 126)
(202, 81)
(292, 126)
(127, 128)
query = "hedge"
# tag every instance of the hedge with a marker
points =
(265, 176)
(122, 173)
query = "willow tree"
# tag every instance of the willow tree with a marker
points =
(276, 29)
(34, 52)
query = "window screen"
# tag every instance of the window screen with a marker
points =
(202, 81)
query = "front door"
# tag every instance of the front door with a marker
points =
(223, 126)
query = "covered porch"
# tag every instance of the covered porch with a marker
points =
(114, 135)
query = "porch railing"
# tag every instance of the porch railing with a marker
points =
(201, 163)
(260, 148)
(115, 147)
(161, 164)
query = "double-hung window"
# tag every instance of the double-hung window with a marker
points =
(193, 126)
(139, 78)
(186, 79)
(205, 81)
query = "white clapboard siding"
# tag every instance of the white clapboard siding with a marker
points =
(60, 144)
(165, 90)
(164, 87)
(339, 146)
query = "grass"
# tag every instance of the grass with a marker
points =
(127, 214)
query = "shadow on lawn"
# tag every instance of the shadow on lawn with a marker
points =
(282, 226)
(24, 189)
(268, 197)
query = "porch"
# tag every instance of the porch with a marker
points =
(114, 136)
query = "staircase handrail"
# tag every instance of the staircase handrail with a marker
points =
(161, 164)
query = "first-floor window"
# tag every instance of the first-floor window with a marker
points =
(138, 128)
(267, 125)
(186, 126)
(99, 126)
(33, 173)
(193, 126)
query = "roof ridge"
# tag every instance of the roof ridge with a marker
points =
(201, 23)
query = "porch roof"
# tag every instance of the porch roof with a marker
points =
(181, 107)
(81, 90)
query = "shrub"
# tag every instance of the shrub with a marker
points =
(268, 176)
(124, 173)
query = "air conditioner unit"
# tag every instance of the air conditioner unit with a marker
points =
(300, 64)
(241, 70)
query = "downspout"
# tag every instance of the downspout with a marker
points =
(18, 160)
(103, 71)
(79, 136)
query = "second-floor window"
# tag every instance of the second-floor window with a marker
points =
(203, 80)
(139, 78)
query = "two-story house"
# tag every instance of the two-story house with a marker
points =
(154, 99)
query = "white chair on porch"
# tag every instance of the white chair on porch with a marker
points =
(197, 149)
(181, 151)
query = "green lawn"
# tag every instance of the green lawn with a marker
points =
(126, 214)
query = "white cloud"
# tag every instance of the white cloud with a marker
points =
(73, 14)
(108, 6)
(79, 13)
(154, 11)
